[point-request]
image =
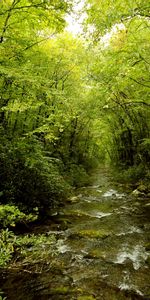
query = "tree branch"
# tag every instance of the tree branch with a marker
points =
(137, 102)
(22, 7)
(7, 20)
(32, 45)
(139, 82)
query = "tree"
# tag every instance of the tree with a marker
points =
(104, 14)
(42, 107)
(121, 76)
(24, 26)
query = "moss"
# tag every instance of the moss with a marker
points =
(85, 298)
(80, 213)
(61, 290)
(77, 213)
(96, 254)
(93, 233)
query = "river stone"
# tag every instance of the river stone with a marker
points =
(63, 290)
(76, 212)
(73, 199)
(142, 188)
(95, 254)
(86, 298)
(147, 246)
(137, 193)
(148, 261)
(93, 233)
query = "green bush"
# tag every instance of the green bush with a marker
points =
(1, 295)
(132, 174)
(7, 240)
(76, 175)
(29, 176)
(29, 248)
(10, 215)
(33, 248)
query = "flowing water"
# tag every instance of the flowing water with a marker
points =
(103, 249)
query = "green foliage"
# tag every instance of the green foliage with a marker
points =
(131, 174)
(21, 23)
(29, 177)
(77, 175)
(86, 298)
(67, 104)
(35, 248)
(10, 215)
(105, 13)
(44, 124)
(120, 75)
(28, 248)
(1, 296)
(7, 240)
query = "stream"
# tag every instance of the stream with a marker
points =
(103, 249)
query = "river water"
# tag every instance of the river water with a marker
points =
(103, 249)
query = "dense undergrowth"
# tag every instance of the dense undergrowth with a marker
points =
(25, 249)
(134, 174)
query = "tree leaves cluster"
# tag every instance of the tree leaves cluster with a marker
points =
(68, 102)
(120, 75)
(46, 132)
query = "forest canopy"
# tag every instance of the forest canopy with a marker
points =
(71, 102)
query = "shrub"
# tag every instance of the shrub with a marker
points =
(7, 239)
(29, 248)
(76, 175)
(10, 215)
(29, 176)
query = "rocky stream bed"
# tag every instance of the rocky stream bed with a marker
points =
(102, 245)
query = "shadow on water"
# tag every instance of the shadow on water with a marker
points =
(102, 250)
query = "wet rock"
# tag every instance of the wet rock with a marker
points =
(73, 199)
(86, 298)
(91, 256)
(142, 188)
(102, 255)
(76, 213)
(89, 233)
(137, 193)
(148, 261)
(95, 254)
(147, 246)
(62, 290)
